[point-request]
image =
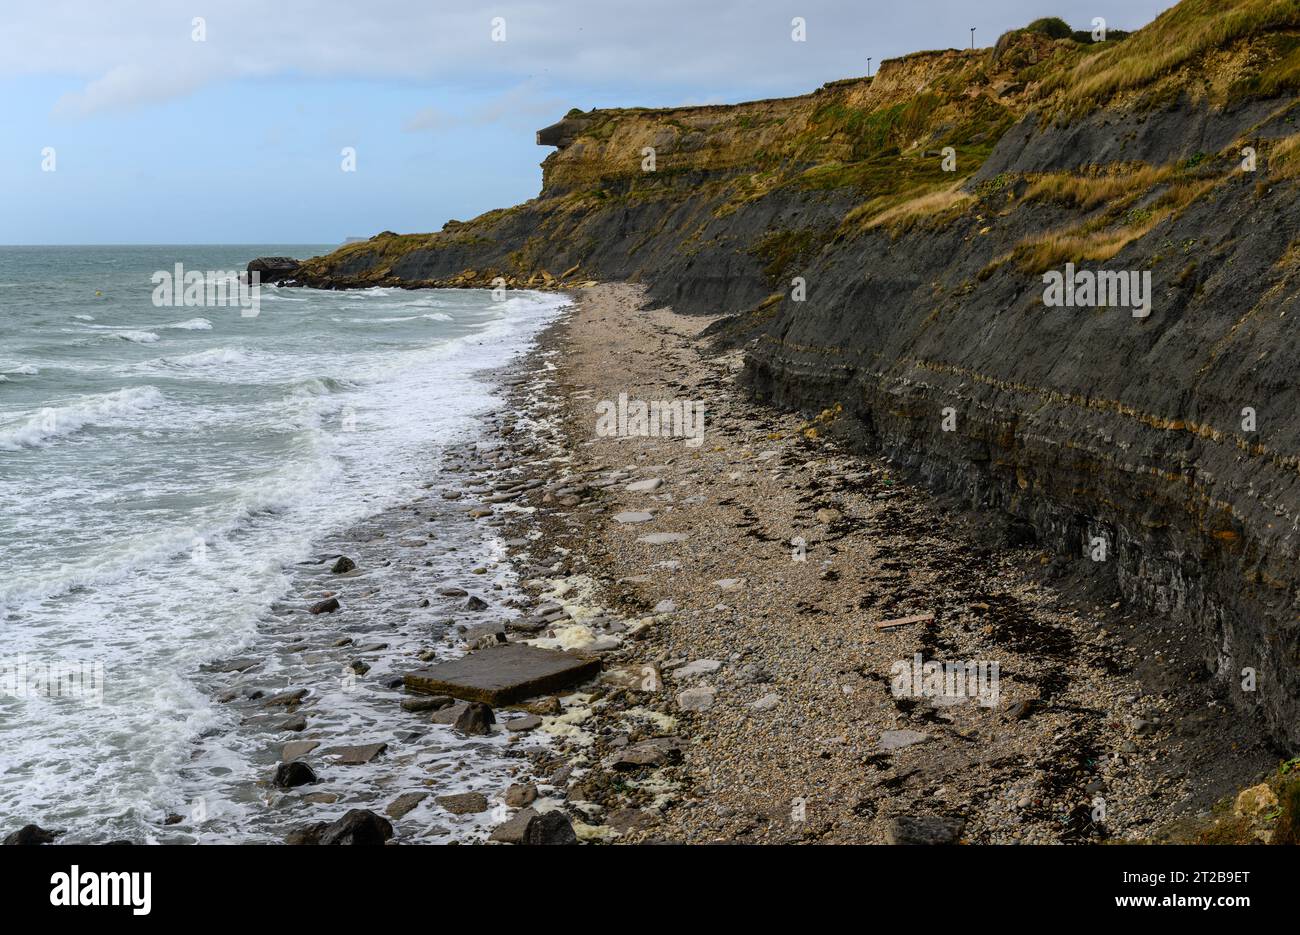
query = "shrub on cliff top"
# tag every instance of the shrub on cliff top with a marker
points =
(1052, 26)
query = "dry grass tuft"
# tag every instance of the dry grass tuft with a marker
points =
(926, 207)
(1097, 243)
(1284, 158)
(1089, 191)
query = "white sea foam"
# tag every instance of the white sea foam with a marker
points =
(137, 337)
(213, 357)
(39, 428)
(194, 324)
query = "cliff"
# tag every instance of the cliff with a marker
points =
(860, 270)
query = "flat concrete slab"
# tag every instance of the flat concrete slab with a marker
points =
(498, 675)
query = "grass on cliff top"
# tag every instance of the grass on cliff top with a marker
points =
(386, 246)
(1173, 39)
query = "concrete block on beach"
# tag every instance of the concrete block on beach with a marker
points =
(505, 674)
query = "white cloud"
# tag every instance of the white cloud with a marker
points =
(124, 87)
(134, 53)
(522, 105)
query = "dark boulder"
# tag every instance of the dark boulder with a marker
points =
(550, 828)
(294, 773)
(343, 564)
(477, 718)
(358, 826)
(273, 269)
(307, 834)
(32, 834)
(327, 606)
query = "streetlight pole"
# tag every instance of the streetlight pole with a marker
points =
(972, 38)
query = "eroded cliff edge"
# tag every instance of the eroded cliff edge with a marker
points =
(923, 288)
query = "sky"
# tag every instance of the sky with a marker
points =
(226, 121)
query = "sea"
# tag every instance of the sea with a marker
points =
(167, 472)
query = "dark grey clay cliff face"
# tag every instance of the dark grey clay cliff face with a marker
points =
(1088, 422)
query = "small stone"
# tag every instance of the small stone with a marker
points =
(342, 564)
(327, 606)
(476, 603)
(522, 724)
(644, 486)
(549, 706)
(521, 794)
(297, 748)
(766, 703)
(827, 516)
(513, 831)
(464, 803)
(404, 803)
(288, 699)
(657, 752)
(897, 739)
(633, 516)
(697, 668)
(696, 699)
(356, 755)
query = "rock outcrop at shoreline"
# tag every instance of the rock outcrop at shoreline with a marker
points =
(881, 244)
(273, 270)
